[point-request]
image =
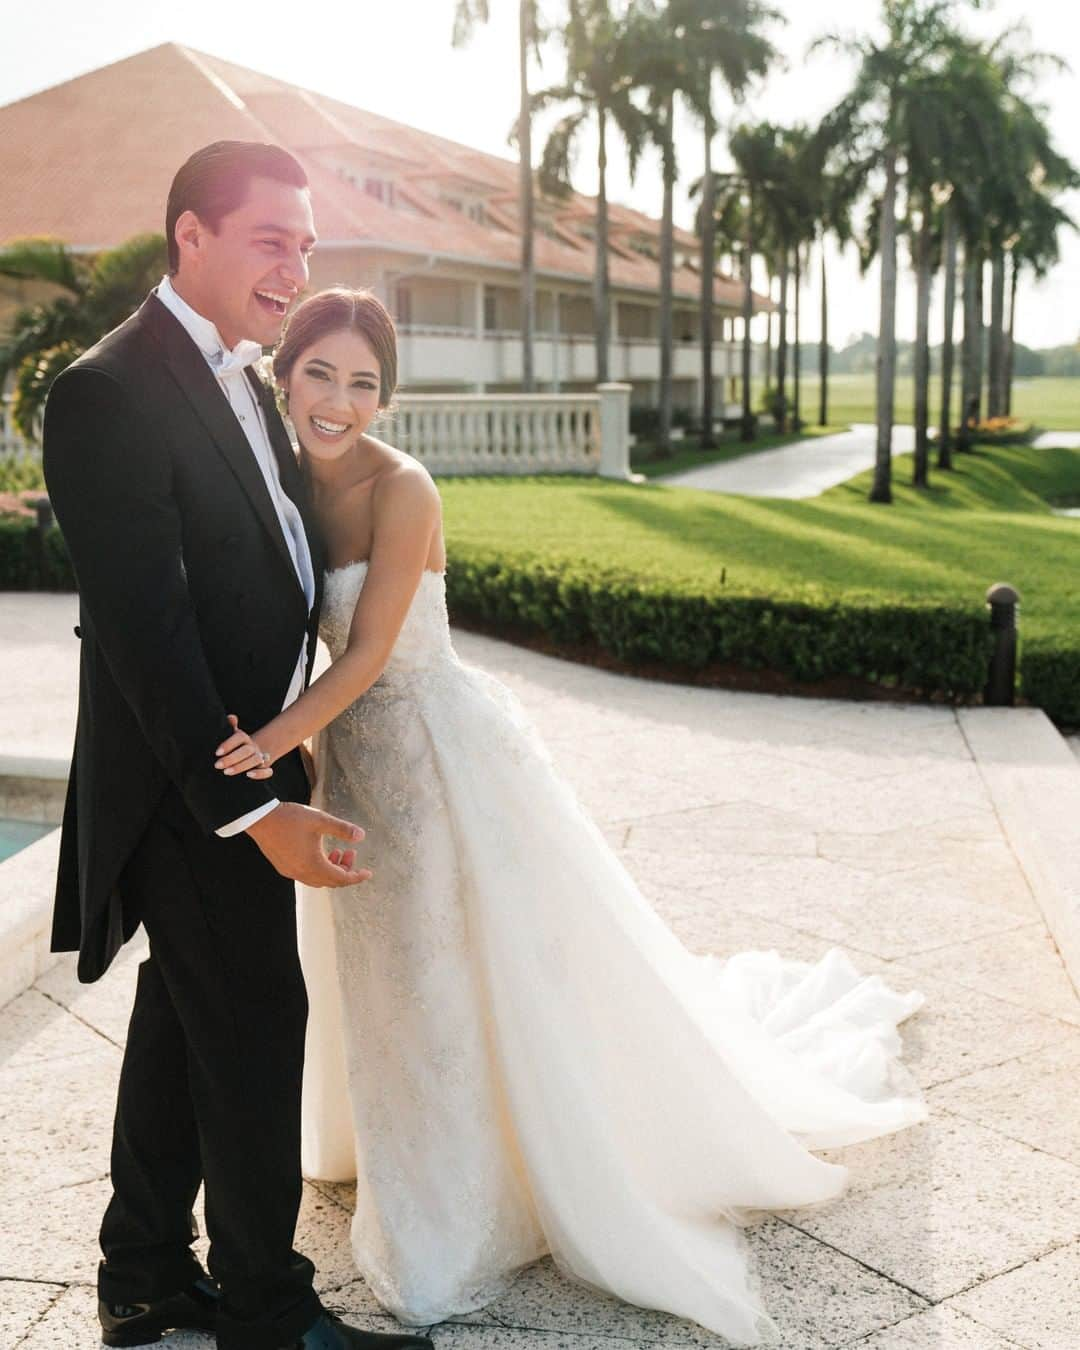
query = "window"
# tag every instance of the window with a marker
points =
(381, 189)
(404, 304)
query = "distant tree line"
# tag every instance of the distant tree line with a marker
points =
(859, 356)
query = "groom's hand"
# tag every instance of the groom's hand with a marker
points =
(290, 838)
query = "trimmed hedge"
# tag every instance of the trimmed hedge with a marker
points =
(30, 562)
(931, 650)
(927, 650)
(1050, 677)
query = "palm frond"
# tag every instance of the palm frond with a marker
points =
(41, 259)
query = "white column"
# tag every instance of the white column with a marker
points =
(614, 430)
(556, 301)
(481, 337)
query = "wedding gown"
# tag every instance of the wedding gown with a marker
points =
(534, 1062)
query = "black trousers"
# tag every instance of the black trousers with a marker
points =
(210, 1086)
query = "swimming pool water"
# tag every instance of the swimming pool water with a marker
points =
(16, 834)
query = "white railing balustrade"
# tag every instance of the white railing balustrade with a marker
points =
(483, 433)
(516, 433)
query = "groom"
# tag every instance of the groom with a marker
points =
(199, 569)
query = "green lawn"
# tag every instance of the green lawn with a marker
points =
(988, 521)
(1053, 404)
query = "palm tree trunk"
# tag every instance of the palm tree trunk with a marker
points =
(708, 268)
(923, 282)
(782, 345)
(823, 349)
(796, 419)
(525, 206)
(1010, 345)
(747, 430)
(944, 457)
(768, 335)
(980, 332)
(601, 303)
(996, 400)
(881, 491)
(667, 264)
(969, 409)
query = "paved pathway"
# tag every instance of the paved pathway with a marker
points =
(750, 821)
(1051, 440)
(801, 470)
(808, 467)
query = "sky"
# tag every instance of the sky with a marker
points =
(395, 57)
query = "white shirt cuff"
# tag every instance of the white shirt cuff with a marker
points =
(238, 826)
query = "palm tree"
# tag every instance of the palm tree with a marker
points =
(667, 67)
(467, 15)
(799, 214)
(97, 294)
(1036, 249)
(1034, 172)
(949, 258)
(729, 40)
(760, 178)
(873, 122)
(601, 76)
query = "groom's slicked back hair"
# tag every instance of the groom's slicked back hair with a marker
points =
(216, 180)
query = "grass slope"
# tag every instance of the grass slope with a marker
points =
(988, 521)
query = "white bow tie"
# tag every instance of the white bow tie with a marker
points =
(244, 354)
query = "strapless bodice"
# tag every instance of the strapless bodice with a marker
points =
(424, 636)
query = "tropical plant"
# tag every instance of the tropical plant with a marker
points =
(760, 179)
(730, 40)
(873, 123)
(667, 68)
(97, 294)
(467, 15)
(598, 85)
(1035, 248)
(837, 193)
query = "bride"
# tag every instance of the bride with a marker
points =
(515, 1055)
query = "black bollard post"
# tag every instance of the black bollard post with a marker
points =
(1000, 689)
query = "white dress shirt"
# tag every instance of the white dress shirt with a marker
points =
(229, 368)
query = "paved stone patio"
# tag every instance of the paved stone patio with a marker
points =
(750, 821)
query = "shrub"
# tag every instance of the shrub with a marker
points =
(1001, 431)
(19, 473)
(30, 561)
(1050, 677)
(932, 650)
(644, 423)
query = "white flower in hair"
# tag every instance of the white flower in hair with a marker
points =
(264, 369)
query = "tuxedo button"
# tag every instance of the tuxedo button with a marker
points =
(77, 631)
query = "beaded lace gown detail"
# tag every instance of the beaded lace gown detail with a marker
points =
(513, 1053)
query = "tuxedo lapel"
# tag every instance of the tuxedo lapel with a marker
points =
(197, 383)
(292, 480)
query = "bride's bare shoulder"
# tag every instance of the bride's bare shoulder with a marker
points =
(403, 476)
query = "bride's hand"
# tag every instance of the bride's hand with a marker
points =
(240, 754)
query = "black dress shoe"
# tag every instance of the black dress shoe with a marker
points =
(331, 1333)
(129, 1324)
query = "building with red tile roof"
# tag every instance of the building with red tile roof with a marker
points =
(430, 224)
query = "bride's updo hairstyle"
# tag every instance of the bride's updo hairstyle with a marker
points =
(341, 309)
